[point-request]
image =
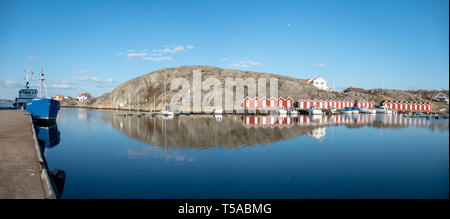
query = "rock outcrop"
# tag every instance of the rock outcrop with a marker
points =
(147, 90)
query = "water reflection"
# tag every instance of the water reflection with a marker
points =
(202, 132)
(48, 136)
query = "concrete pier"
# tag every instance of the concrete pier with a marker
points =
(20, 175)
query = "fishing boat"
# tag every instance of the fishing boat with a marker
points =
(383, 110)
(42, 107)
(315, 110)
(26, 94)
(355, 110)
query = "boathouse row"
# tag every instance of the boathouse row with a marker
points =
(406, 106)
(270, 103)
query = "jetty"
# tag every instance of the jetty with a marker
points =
(22, 174)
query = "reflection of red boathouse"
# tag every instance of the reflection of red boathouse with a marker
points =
(407, 106)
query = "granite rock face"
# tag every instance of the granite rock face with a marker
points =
(147, 91)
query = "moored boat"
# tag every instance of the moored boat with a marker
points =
(355, 110)
(43, 108)
(167, 112)
(218, 111)
(383, 110)
(279, 112)
(333, 110)
(368, 110)
(293, 112)
(315, 110)
(347, 110)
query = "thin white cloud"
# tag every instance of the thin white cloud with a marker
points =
(239, 65)
(243, 64)
(93, 79)
(134, 54)
(33, 58)
(179, 48)
(64, 84)
(250, 62)
(10, 84)
(319, 65)
(224, 60)
(157, 59)
(144, 55)
(167, 50)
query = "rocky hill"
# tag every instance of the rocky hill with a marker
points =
(151, 85)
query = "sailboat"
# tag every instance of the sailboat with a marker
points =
(42, 107)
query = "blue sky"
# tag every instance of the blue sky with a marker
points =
(95, 45)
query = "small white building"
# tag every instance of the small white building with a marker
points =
(83, 97)
(440, 97)
(318, 82)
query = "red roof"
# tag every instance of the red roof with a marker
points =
(304, 80)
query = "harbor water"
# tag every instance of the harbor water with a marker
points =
(107, 155)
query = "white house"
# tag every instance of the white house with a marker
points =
(318, 82)
(440, 97)
(83, 97)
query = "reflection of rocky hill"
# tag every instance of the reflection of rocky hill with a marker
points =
(234, 132)
(201, 132)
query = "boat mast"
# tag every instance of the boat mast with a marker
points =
(41, 83)
(27, 79)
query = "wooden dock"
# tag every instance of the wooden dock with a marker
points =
(20, 174)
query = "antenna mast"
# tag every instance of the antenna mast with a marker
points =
(27, 79)
(41, 84)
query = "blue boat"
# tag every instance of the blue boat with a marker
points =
(43, 108)
(347, 110)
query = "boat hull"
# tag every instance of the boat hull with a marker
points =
(44, 109)
(315, 112)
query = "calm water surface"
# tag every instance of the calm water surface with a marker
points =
(105, 155)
